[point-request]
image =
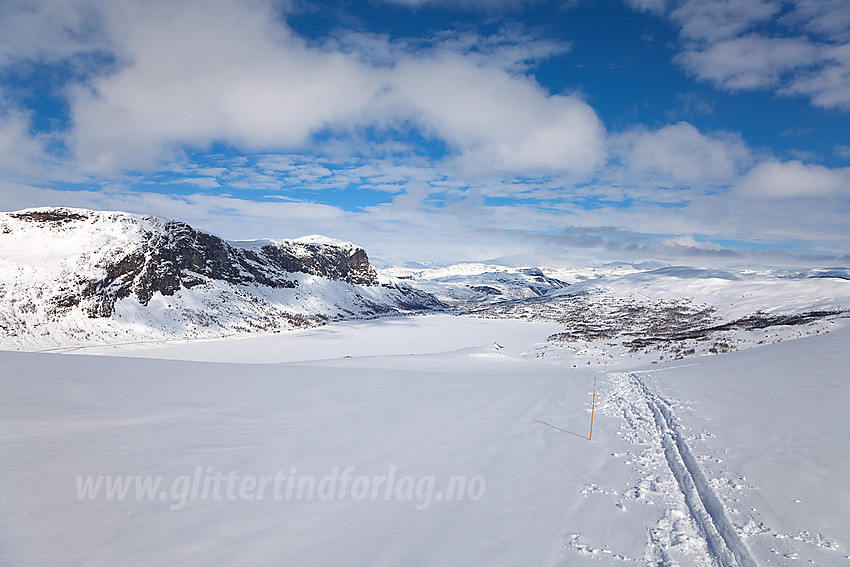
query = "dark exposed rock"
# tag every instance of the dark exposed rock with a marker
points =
(326, 260)
(58, 215)
(485, 289)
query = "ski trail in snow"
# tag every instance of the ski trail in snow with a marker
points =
(650, 421)
(703, 504)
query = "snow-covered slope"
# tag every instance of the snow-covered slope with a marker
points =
(466, 455)
(74, 276)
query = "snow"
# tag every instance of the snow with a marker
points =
(781, 444)
(325, 240)
(713, 443)
(22, 243)
(467, 269)
(766, 428)
(385, 337)
(316, 239)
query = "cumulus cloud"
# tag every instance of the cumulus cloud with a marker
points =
(713, 20)
(735, 45)
(45, 31)
(514, 127)
(688, 246)
(829, 85)
(196, 73)
(794, 179)
(680, 153)
(825, 18)
(422, 224)
(193, 74)
(19, 151)
(23, 154)
(749, 62)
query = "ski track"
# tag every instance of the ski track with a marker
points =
(704, 505)
(651, 421)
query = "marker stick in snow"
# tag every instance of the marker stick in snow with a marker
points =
(592, 410)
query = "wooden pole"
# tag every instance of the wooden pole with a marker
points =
(592, 410)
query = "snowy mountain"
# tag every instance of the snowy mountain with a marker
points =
(74, 276)
(470, 285)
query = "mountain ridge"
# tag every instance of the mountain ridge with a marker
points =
(62, 265)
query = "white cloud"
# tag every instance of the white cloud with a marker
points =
(749, 62)
(680, 153)
(688, 248)
(23, 155)
(732, 44)
(827, 18)
(829, 85)
(657, 6)
(794, 179)
(498, 121)
(18, 150)
(47, 30)
(192, 74)
(688, 242)
(712, 20)
(202, 182)
(196, 73)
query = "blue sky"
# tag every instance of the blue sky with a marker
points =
(711, 132)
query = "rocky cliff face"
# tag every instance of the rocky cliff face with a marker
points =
(178, 256)
(57, 264)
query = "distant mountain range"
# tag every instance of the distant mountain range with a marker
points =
(75, 277)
